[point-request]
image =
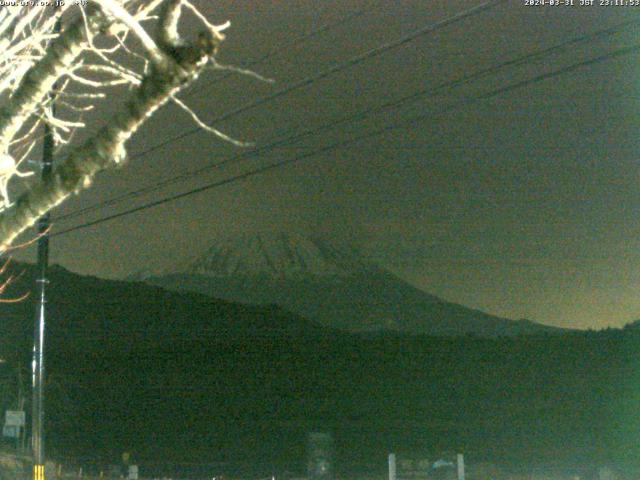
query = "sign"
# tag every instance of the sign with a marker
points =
(413, 468)
(133, 472)
(11, 431)
(320, 452)
(443, 468)
(14, 418)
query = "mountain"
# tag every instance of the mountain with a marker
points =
(331, 285)
(94, 314)
(114, 349)
(277, 255)
(234, 389)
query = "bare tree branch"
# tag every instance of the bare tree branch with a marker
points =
(40, 79)
(181, 65)
(75, 66)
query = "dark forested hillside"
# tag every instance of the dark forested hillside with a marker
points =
(184, 377)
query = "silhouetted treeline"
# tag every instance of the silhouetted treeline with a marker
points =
(183, 377)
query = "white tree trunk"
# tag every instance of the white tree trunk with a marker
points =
(173, 66)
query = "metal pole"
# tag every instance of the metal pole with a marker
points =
(392, 466)
(37, 419)
(22, 431)
(460, 462)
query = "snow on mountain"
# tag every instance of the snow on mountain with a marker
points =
(140, 275)
(330, 285)
(276, 255)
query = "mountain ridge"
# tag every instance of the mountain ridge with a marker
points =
(276, 255)
(333, 286)
(253, 380)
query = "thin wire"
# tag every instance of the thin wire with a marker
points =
(404, 123)
(428, 92)
(331, 71)
(294, 43)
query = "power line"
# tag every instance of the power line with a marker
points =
(310, 80)
(428, 92)
(295, 42)
(376, 132)
(332, 70)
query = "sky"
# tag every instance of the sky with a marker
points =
(524, 204)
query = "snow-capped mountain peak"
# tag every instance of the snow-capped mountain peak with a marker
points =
(277, 255)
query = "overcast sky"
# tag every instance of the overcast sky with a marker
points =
(525, 204)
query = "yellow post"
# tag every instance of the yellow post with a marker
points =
(38, 472)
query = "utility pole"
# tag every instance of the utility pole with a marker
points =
(20, 440)
(37, 418)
